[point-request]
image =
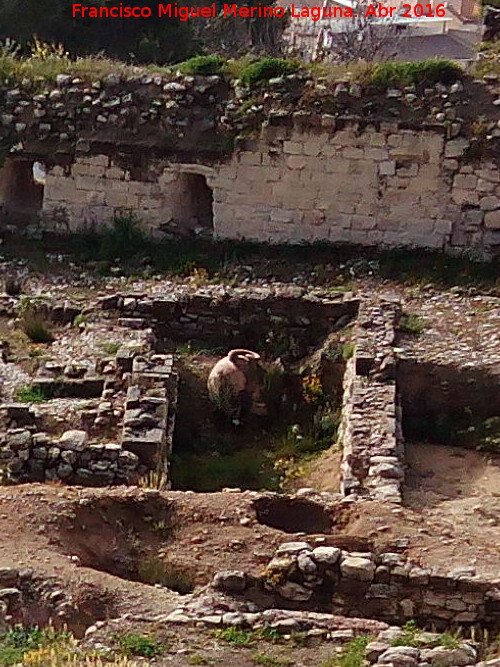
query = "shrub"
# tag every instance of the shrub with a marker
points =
(420, 73)
(123, 239)
(312, 389)
(266, 69)
(411, 324)
(31, 395)
(135, 644)
(203, 65)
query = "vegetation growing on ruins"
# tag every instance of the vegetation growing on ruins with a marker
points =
(411, 323)
(31, 395)
(21, 643)
(420, 73)
(33, 321)
(352, 655)
(135, 644)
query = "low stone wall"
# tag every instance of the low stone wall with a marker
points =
(370, 430)
(150, 412)
(434, 394)
(384, 586)
(70, 459)
(33, 600)
(242, 317)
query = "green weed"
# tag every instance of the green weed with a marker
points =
(19, 640)
(110, 348)
(353, 654)
(348, 350)
(411, 324)
(203, 65)
(134, 644)
(421, 73)
(266, 69)
(31, 395)
(198, 659)
(271, 661)
(235, 635)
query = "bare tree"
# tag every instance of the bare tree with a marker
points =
(361, 37)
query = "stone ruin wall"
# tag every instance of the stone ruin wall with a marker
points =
(386, 586)
(389, 187)
(292, 160)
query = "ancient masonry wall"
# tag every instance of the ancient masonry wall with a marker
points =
(239, 317)
(143, 443)
(386, 186)
(385, 586)
(370, 430)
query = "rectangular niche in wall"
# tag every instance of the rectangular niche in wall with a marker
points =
(21, 191)
(193, 211)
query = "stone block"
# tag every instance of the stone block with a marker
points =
(250, 158)
(489, 203)
(293, 148)
(387, 168)
(470, 197)
(358, 568)
(492, 219)
(296, 162)
(375, 153)
(465, 181)
(456, 148)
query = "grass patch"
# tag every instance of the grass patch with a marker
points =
(19, 641)
(271, 661)
(203, 65)
(352, 655)
(135, 644)
(110, 348)
(411, 324)
(237, 636)
(243, 637)
(123, 238)
(421, 73)
(458, 428)
(155, 479)
(198, 659)
(411, 637)
(31, 395)
(267, 68)
(210, 471)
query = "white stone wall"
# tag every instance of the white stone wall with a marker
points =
(389, 187)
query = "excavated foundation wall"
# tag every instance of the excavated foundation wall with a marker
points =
(437, 396)
(237, 317)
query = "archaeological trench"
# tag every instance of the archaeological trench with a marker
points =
(297, 162)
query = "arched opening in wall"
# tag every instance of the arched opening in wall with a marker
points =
(21, 191)
(194, 210)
